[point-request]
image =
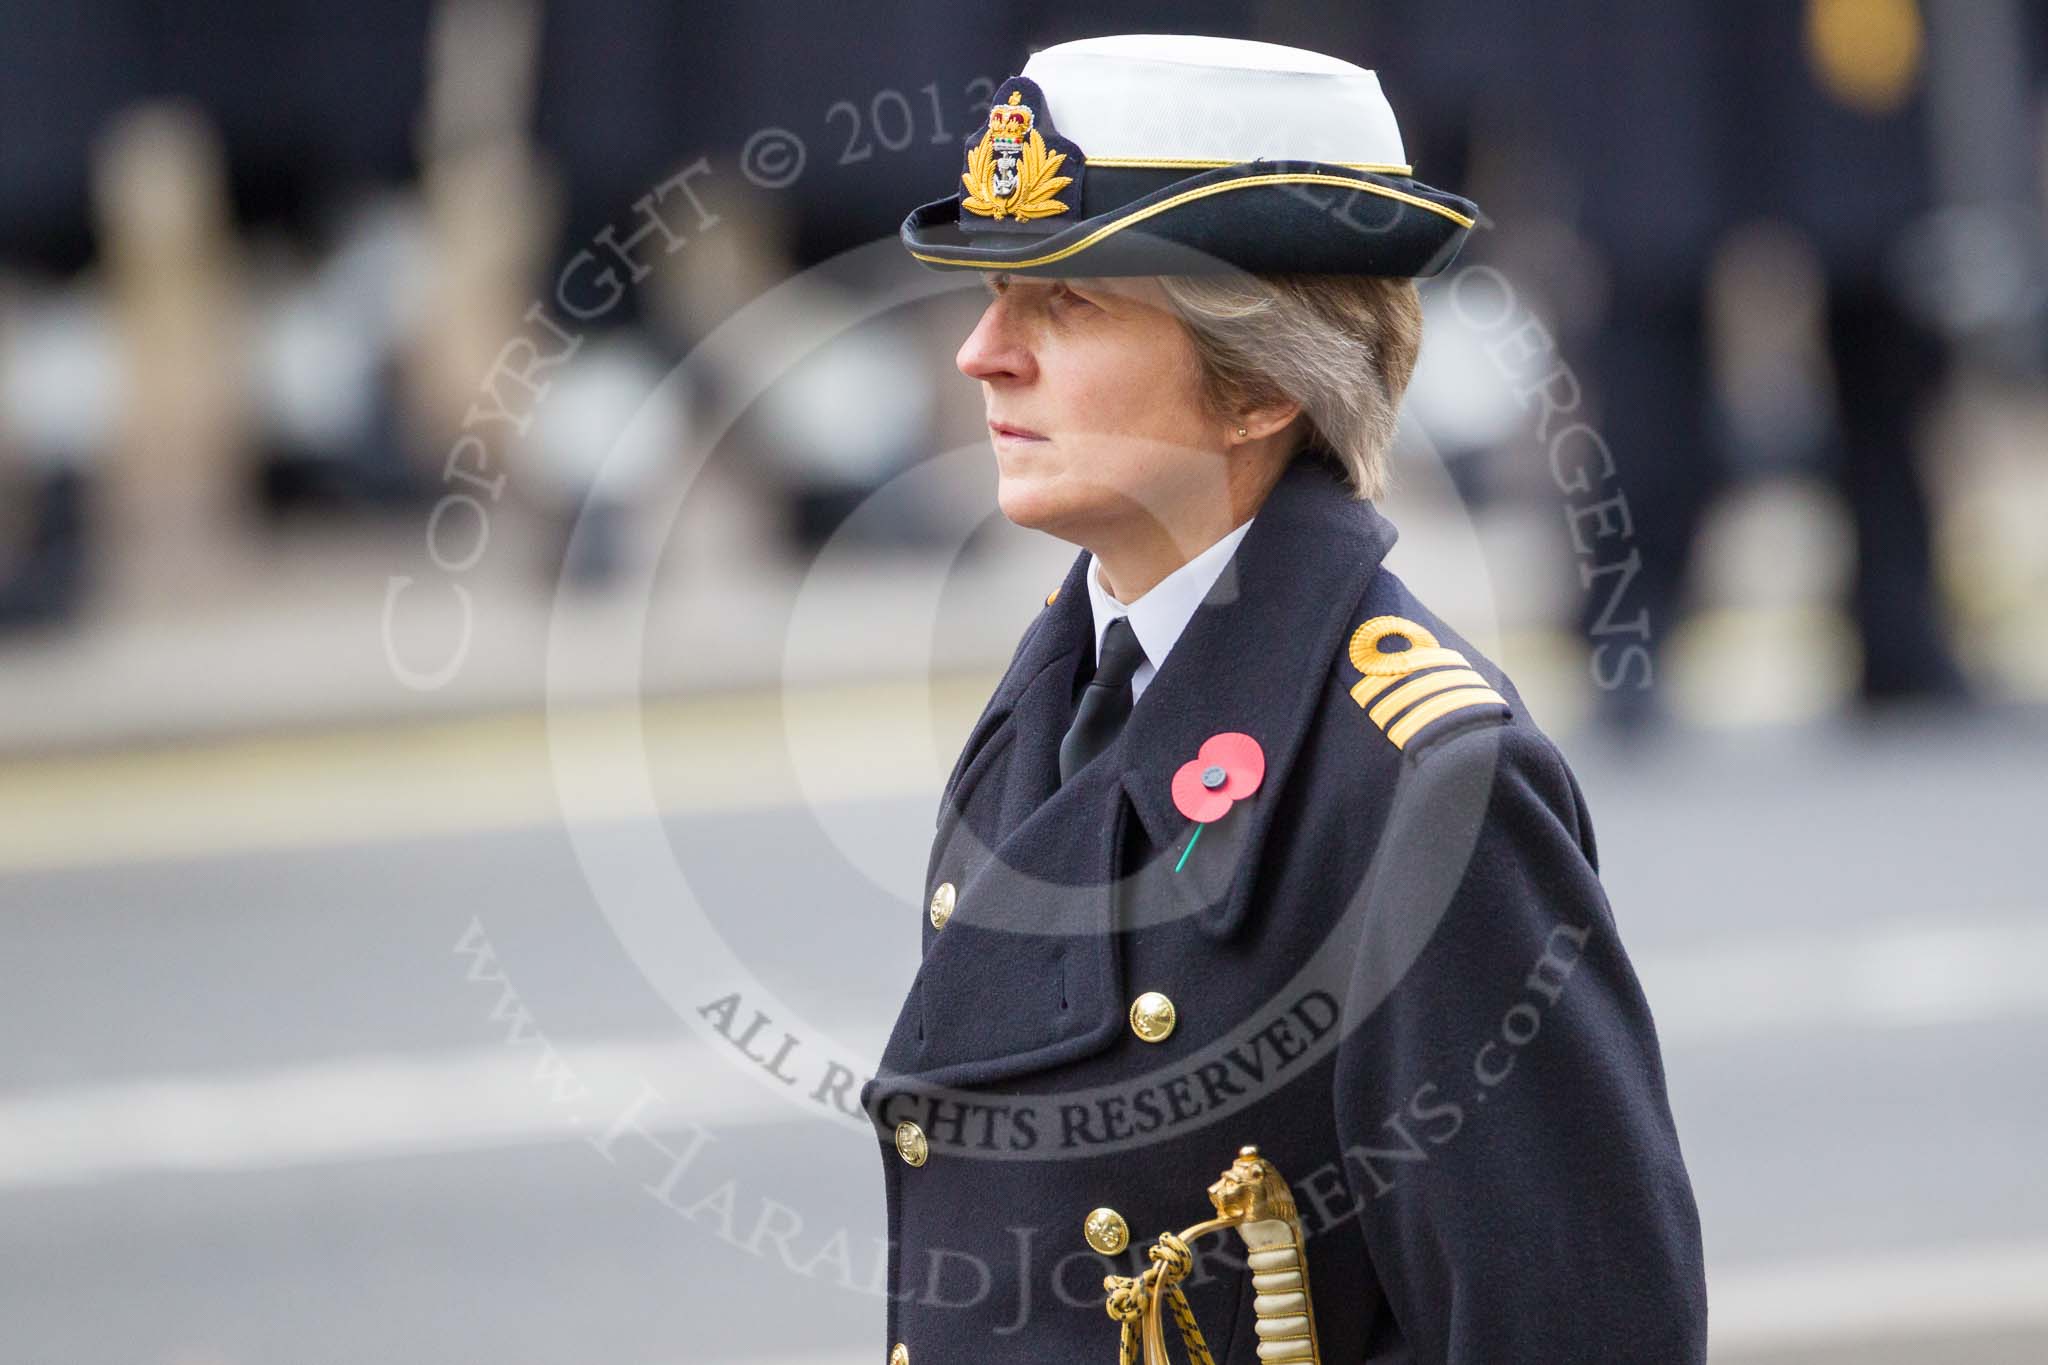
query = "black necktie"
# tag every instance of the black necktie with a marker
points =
(1106, 701)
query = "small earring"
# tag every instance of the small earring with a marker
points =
(1242, 432)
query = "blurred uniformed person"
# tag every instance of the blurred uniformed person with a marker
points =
(1250, 847)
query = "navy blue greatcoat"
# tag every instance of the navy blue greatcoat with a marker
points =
(1392, 968)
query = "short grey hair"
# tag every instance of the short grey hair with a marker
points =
(1342, 346)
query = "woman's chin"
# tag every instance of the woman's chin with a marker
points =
(1031, 503)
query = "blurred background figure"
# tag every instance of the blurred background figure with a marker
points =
(428, 428)
(204, 253)
(1768, 232)
(259, 272)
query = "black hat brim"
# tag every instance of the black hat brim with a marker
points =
(1262, 217)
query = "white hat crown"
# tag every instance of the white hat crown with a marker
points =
(1152, 154)
(1146, 99)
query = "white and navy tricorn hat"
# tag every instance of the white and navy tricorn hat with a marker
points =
(1148, 154)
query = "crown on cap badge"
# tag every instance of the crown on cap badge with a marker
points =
(1011, 173)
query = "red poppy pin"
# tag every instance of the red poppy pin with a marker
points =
(1226, 769)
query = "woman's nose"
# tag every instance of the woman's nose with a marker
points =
(994, 349)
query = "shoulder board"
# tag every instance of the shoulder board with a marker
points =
(1411, 683)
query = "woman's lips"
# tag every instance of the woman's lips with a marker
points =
(1015, 433)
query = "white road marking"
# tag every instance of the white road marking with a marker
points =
(1754, 1309)
(359, 1108)
(1936, 968)
(1898, 975)
(391, 1106)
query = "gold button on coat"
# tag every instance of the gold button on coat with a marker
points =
(942, 904)
(1153, 1017)
(1107, 1231)
(899, 1354)
(910, 1143)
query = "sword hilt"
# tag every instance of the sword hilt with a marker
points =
(1253, 1198)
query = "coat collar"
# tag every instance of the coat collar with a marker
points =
(1252, 659)
(1038, 917)
(1160, 618)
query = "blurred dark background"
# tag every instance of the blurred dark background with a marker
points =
(255, 268)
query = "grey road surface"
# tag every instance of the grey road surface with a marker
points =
(411, 1099)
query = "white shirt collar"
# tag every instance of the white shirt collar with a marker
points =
(1159, 617)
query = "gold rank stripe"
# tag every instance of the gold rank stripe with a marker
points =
(1384, 670)
(1202, 192)
(1443, 704)
(1415, 689)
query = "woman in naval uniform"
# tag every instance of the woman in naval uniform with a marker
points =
(1250, 848)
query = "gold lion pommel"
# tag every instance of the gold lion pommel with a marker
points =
(1252, 1190)
(1252, 1199)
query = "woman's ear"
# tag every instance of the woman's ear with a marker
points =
(1256, 424)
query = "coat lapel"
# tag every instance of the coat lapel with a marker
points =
(1026, 974)
(1252, 659)
(1032, 695)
